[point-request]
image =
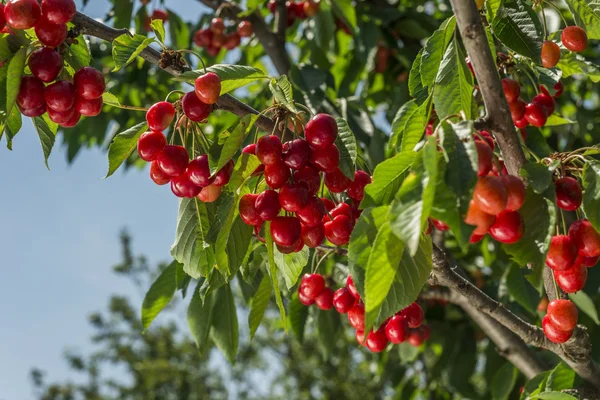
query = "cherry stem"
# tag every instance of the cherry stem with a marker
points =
(197, 55)
(544, 23)
(310, 113)
(558, 11)
(323, 258)
(564, 224)
(173, 92)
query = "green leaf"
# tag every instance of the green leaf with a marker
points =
(539, 176)
(123, 11)
(521, 290)
(415, 84)
(47, 135)
(518, 27)
(572, 63)
(387, 179)
(126, 48)
(232, 244)
(552, 396)
(591, 195)
(199, 317)
(587, 15)
(260, 301)
(110, 100)
(234, 141)
(408, 353)
(14, 123)
(232, 76)
(283, 93)
(291, 265)
(562, 377)
(123, 145)
(179, 31)
(504, 381)
(346, 143)
(399, 123)
(159, 295)
(159, 29)
(224, 325)
(453, 91)
(556, 120)
(273, 274)
(80, 54)
(414, 128)
(190, 247)
(298, 314)
(346, 11)
(13, 78)
(244, 167)
(585, 304)
(434, 51)
(328, 323)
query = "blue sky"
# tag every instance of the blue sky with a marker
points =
(58, 241)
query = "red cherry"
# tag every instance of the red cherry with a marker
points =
(217, 25)
(173, 160)
(336, 181)
(285, 230)
(429, 228)
(296, 153)
(343, 300)
(414, 315)
(515, 190)
(490, 195)
(329, 205)
(517, 110)
(59, 11)
(269, 150)
(487, 138)
(568, 193)
(485, 155)
(439, 225)
(474, 238)
(554, 334)
(342, 209)
(305, 300)
(563, 314)
(585, 237)
(587, 261)
(88, 108)
(377, 340)
(325, 299)
(22, 14)
(160, 116)
(150, 145)
(61, 117)
(559, 87)
(356, 316)
(546, 101)
(203, 37)
(312, 285)
(356, 190)
(160, 14)
(310, 8)
(245, 29)
(250, 149)
(352, 287)
(562, 253)
(313, 212)
(314, 236)
(31, 93)
(50, 34)
(60, 96)
(194, 108)
(213, 51)
(232, 41)
(181, 186)
(208, 88)
(360, 337)
(218, 40)
(210, 193)
(414, 338)
(310, 177)
(325, 160)
(2, 19)
(573, 38)
(508, 227)
(276, 175)
(293, 197)
(89, 83)
(321, 131)
(550, 54)
(267, 205)
(573, 279)
(248, 212)
(157, 175)
(396, 329)
(481, 220)
(339, 230)
(73, 121)
(33, 112)
(536, 114)
(224, 174)
(198, 171)
(45, 64)
(512, 89)
(522, 123)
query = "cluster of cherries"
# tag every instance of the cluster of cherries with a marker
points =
(300, 10)
(171, 163)
(214, 38)
(64, 101)
(308, 219)
(560, 320)
(573, 38)
(405, 325)
(537, 111)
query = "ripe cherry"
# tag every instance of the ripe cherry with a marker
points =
(210, 193)
(61, 117)
(31, 93)
(415, 338)
(342, 209)
(218, 40)
(515, 190)
(88, 108)
(194, 108)
(50, 34)
(157, 175)
(568, 193)
(59, 11)
(160, 116)
(267, 205)
(517, 110)
(224, 174)
(150, 145)
(310, 8)
(585, 237)
(296, 153)
(343, 300)
(522, 123)
(352, 287)
(285, 230)
(439, 225)
(293, 197)
(512, 89)
(563, 314)
(208, 87)
(546, 101)
(490, 195)
(305, 300)
(213, 51)
(203, 37)
(232, 40)
(562, 253)
(573, 38)
(485, 155)
(313, 212)
(396, 329)
(321, 131)
(310, 177)
(217, 25)
(573, 279)
(377, 340)
(2, 19)
(325, 299)
(508, 227)
(554, 334)
(475, 238)
(269, 150)
(245, 29)
(481, 220)
(414, 315)
(160, 14)
(276, 175)
(356, 316)
(173, 160)
(356, 190)
(312, 285)
(199, 171)
(536, 114)
(89, 83)
(181, 186)
(60, 96)
(73, 121)
(298, 246)
(248, 212)
(33, 112)
(559, 88)
(22, 14)
(45, 64)
(313, 236)
(336, 181)
(550, 54)
(487, 138)
(339, 230)
(587, 261)
(325, 160)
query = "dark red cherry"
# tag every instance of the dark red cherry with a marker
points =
(352, 287)
(203, 37)
(269, 150)
(396, 329)
(232, 40)
(508, 227)
(356, 316)
(160, 116)
(486, 137)
(562, 253)
(150, 145)
(217, 25)
(50, 34)
(250, 149)
(295, 248)
(296, 153)
(377, 340)
(198, 171)
(475, 238)
(336, 181)
(560, 88)
(22, 14)
(309, 176)
(338, 230)
(312, 285)
(325, 299)
(325, 160)
(181, 186)
(248, 212)
(61, 117)
(485, 155)
(342, 209)
(517, 110)
(59, 11)
(343, 300)
(194, 108)
(515, 190)
(587, 261)
(267, 205)
(88, 108)
(546, 101)
(31, 93)
(321, 131)
(89, 83)
(356, 190)
(157, 175)
(313, 212)
(563, 314)
(512, 89)
(60, 96)
(536, 114)
(568, 193)
(2, 19)
(245, 29)
(286, 230)
(45, 64)
(173, 160)
(208, 87)
(276, 175)
(314, 236)
(554, 334)
(33, 112)
(414, 315)
(293, 197)
(585, 237)
(573, 279)
(160, 14)
(73, 121)
(329, 205)
(224, 174)
(573, 38)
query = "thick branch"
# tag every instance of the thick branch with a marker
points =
(498, 116)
